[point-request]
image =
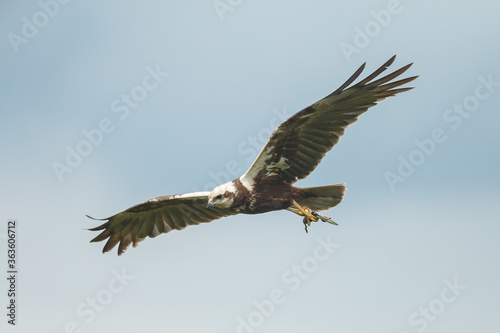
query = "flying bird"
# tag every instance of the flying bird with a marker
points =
(292, 152)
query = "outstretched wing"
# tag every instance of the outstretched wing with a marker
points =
(299, 144)
(154, 217)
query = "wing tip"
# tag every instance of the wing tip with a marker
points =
(99, 227)
(390, 61)
(96, 219)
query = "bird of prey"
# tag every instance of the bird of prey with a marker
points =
(293, 151)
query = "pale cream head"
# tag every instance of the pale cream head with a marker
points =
(222, 196)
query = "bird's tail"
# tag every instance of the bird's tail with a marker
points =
(322, 197)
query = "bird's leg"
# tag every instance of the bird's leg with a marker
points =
(299, 212)
(309, 215)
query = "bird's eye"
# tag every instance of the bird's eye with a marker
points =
(218, 197)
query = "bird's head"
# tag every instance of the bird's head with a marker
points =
(222, 196)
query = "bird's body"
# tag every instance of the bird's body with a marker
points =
(273, 194)
(268, 196)
(293, 151)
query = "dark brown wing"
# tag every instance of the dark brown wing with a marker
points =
(154, 217)
(298, 145)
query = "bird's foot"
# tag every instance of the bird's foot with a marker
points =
(309, 215)
(306, 224)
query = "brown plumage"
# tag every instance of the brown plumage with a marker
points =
(293, 151)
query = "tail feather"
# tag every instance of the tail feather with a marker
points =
(322, 197)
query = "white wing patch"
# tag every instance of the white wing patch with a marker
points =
(271, 169)
(275, 168)
(182, 196)
(247, 182)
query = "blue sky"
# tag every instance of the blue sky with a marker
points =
(417, 245)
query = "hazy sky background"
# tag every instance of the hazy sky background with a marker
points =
(233, 75)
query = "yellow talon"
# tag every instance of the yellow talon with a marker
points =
(309, 214)
(304, 211)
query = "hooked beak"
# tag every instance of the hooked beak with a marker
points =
(209, 205)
